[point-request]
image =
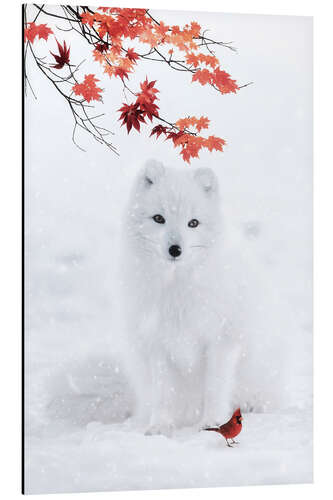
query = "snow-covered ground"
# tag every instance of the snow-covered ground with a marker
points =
(272, 449)
(76, 390)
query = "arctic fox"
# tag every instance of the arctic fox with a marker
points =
(202, 337)
(181, 346)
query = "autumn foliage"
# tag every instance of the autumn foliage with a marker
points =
(88, 89)
(63, 57)
(32, 30)
(118, 39)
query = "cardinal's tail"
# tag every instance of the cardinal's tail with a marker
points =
(216, 429)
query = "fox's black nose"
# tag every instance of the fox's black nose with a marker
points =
(175, 251)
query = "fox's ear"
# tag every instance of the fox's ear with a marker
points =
(152, 172)
(207, 179)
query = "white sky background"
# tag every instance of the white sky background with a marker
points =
(75, 199)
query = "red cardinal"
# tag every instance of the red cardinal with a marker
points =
(231, 429)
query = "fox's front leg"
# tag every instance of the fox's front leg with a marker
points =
(162, 396)
(221, 359)
(140, 381)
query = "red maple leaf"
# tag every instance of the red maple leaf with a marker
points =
(186, 154)
(102, 47)
(214, 143)
(158, 130)
(132, 55)
(88, 88)
(161, 29)
(191, 58)
(195, 29)
(148, 92)
(147, 96)
(203, 122)
(175, 136)
(223, 81)
(131, 115)
(191, 145)
(40, 30)
(63, 57)
(121, 73)
(149, 109)
(88, 18)
(203, 76)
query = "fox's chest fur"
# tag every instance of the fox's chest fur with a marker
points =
(177, 311)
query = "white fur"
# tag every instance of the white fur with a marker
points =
(181, 350)
(185, 333)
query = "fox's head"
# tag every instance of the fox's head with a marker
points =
(174, 214)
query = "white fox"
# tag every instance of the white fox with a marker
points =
(184, 349)
(181, 347)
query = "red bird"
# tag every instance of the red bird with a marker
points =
(231, 429)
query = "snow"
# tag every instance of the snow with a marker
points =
(115, 457)
(77, 396)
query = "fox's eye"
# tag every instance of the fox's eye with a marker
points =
(159, 219)
(193, 223)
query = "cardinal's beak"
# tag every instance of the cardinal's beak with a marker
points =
(240, 418)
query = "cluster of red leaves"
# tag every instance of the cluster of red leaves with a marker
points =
(114, 26)
(197, 59)
(63, 57)
(88, 89)
(192, 121)
(132, 55)
(217, 78)
(120, 24)
(144, 106)
(133, 115)
(117, 25)
(189, 142)
(33, 30)
(102, 47)
(191, 145)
